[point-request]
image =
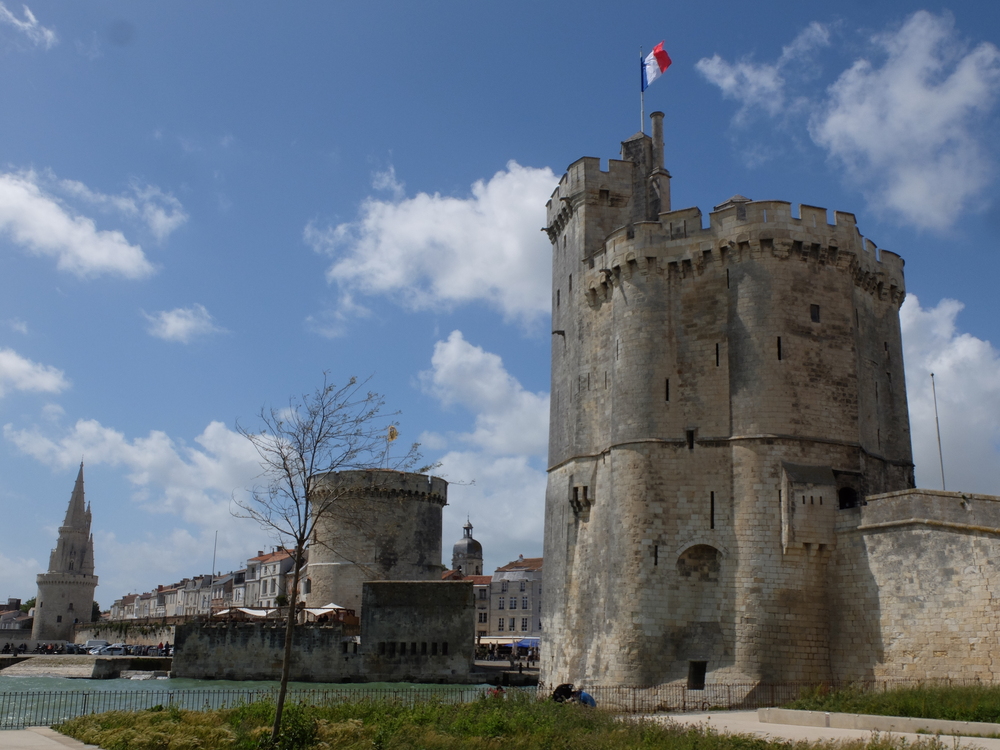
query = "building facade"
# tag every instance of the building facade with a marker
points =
(66, 592)
(516, 599)
(722, 391)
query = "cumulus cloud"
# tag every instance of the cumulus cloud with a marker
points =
(21, 374)
(38, 222)
(195, 483)
(508, 419)
(762, 85)
(908, 127)
(29, 27)
(911, 129)
(17, 575)
(182, 324)
(498, 467)
(967, 372)
(435, 252)
(161, 212)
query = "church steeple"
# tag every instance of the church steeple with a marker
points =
(66, 591)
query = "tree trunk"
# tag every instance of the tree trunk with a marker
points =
(286, 661)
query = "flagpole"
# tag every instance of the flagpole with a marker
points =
(642, 92)
(937, 425)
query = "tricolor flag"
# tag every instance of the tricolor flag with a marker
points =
(654, 65)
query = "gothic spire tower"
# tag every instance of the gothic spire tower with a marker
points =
(66, 591)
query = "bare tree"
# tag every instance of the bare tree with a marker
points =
(335, 428)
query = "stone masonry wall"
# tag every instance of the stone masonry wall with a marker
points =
(916, 574)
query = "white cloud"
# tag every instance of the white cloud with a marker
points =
(435, 252)
(182, 324)
(497, 468)
(22, 374)
(34, 31)
(18, 325)
(161, 212)
(39, 223)
(17, 576)
(509, 419)
(910, 131)
(194, 483)
(762, 85)
(967, 372)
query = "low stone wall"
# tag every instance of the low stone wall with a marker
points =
(125, 631)
(253, 651)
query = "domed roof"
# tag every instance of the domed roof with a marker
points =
(467, 547)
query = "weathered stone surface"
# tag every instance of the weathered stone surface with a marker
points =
(724, 394)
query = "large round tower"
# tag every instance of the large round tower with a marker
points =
(373, 525)
(719, 391)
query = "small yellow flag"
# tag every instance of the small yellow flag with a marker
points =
(393, 433)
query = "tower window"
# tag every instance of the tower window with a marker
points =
(727, 278)
(779, 348)
(690, 440)
(814, 313)
(557, 298)
(716, 355)
(711, 511)
(58, 618)
(656, 554)
(666, 390)
(847, 498)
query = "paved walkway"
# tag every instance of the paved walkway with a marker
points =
(38, 738)
(745, 722)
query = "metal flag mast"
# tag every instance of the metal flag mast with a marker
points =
(642, 91)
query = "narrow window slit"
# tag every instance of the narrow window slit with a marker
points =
(779, 348)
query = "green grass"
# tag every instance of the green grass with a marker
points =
(518, 722)
(967, 703)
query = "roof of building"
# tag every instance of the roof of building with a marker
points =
(280, 554)
(522, 563)
(479, 580)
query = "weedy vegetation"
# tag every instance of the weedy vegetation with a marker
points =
(958, 703)
(517, 722)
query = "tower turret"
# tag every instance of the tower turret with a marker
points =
(66, 591)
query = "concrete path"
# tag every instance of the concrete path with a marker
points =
(746, 722)
(38, 738)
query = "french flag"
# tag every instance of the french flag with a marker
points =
(654, 65)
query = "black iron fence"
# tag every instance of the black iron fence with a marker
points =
(21, 709)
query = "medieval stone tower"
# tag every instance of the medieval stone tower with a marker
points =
(66, 591)
(374, 525)
(721, 389)
(467, 553)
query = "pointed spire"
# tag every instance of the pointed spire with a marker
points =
(75, 513)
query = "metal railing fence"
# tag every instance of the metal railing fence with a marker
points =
(35, 708)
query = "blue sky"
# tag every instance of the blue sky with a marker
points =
(203, 207)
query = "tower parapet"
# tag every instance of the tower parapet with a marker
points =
(703, 369)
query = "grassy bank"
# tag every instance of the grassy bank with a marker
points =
(515, 723)
(968, 703)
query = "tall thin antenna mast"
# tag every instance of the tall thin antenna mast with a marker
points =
(214, 550)
(937, 424)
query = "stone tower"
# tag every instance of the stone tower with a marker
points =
(720, 390)
(374, 525)
(66, 591)
(467, 553)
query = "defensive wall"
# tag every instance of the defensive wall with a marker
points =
(721, 390)
(417, 631)
(373, 525)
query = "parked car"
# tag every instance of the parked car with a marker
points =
(116, 649)
(74, 648)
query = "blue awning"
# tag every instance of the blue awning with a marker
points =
(528, 643)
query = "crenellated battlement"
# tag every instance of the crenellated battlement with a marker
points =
(680, 247)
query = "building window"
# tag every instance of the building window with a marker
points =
(814, 313)
(524, 602)
(512, 621)
(482, 616)
(59, 618)
(524, 585)
(444, 648)
(482, 593)
(501, 603)
(696, 675)
(513, 602)
(524, 624)
(503, 586)
(500, 624)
